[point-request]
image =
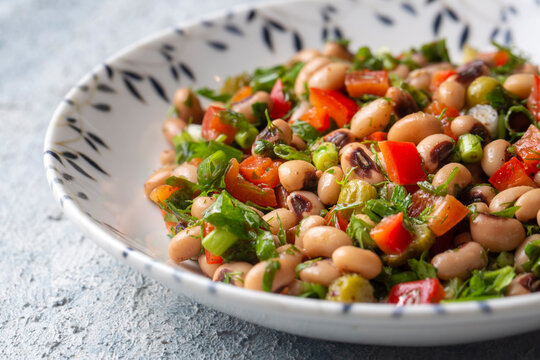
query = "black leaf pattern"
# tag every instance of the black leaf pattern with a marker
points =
(385, 19)
(166, 55)
(97, 139)
(69, 155)
(91, 144)
(132, 89)
(508, 37)
(76, 128)
(101, 107)
(494, 33)
(207, 23)
(133, 75)
(83, 88)
(452, 14)
(159, 89)
(250, 15)
(69, 102)
(429, 1)
(276, 25)
(105, 88)
(186, 70)
(218, 45)
(512, 9)
(109, 71)
(338, 33)
(331, 8)
(297, 40)
(54, 155)
(71, 120)
(437, 23)
(179, 31)
(168, 47)
(80, 169)
(267, 38)
(324, 34)
(408, 8)
(233, 29)
(464, 36)
(503, 16)
(325, 16)
(67, 176)
(174, 73)
(82, 195)
(93, 163)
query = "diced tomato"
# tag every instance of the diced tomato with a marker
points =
(244, 191)
(427, 291)
(447, 212)
(377, 136)
(317, 117)
(436, 108)
(390, 235)
(212, 125)
(511, 173)
(528, 148)
(364, 82)
(533, 102)
(260, 170)
(339, 107)
(242, 93)
(403, 162)
(211, 258)
(162, 193)
(281, 106)
(336, 219)
(439, 77)
(501, 58)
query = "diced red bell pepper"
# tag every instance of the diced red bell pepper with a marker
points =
(213, 126)
(403, 162)
(446, 214)
(364, 82)
(281, 106)
(162, 193)
(528, 148)
(260, 170)
(501, 58)
(339, 107)
(533, 102)
(242, 93)
(317, 117)
(427, 291)
(436, 108)
(244, 191)
(336, 219)
(377, 136)
(390, 235)
(439, 77)
(511, 173)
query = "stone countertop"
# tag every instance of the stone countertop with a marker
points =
(62, 296)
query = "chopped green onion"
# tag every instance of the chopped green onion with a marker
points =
(470, 148)
(325, 156)
(218, 241)
(246, 138)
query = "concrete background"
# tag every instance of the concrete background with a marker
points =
(63, 297)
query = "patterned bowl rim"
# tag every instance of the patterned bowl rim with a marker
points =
(187, 279)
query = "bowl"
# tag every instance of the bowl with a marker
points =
(104, 140)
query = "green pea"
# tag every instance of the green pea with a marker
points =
(479, 88)
(325, 156)
(350, 288)
(356, 191)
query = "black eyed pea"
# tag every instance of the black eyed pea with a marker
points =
(288, 219)
(360, 157)
(280, 130)
(352, 259)
(335, 50)
(167, 157)
(400, 70)
(206, 268)
(233, 273)
(466, 124)
(187, 171)
(519, 85)
(402, 101)
(372, 117)
(172, 127)
(481, 193)
(434, 150)
(305, 55)
(185, 245)
(307, 71)
(529, 204)
(451, 93)
(329, 77)
(244, 106)
(324, 240)
(520, 257)
(304, 203)
(479, 207)
(537, 178)
(420, 79)
(328, 187)
(415, 127)
(340, 137)
(528, 68)
(188, 106)
(496, 233)
(297, 174)
(495, 155)
(523, 284)
(506, 197)
(201, 203)
(322, 272)
(298, 143)
(538, 218)
(306, 224)
(158, 178)
(470, 71)
(460, 262)
(461, 179)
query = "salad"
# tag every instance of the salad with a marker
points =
(361, 177)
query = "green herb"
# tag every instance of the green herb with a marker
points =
(269, 273)
(265, 247)
(305, 131)
(287, 152)
(212, 95)
(365, 59)
(288, 79)
(485, 284)
(305, 265)
(420, 97)
(532, 250)
(170, 218)
(211, 171)
(509, 212)
(358, 230)
(172, 112)
(422, 268)
(259, 110)
(342, 42)
(440, 190)
(187, 148)
(312, 290)
(514, 61)
(282, 236)
(532, 229)
(235, 276)
(241, 250)
(435, 51)
(263, 79)
(246, 132)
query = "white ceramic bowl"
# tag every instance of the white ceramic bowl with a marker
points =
(105, 138)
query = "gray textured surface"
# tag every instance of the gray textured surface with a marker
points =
(62, 296)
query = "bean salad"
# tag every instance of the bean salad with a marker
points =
(360, 176)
